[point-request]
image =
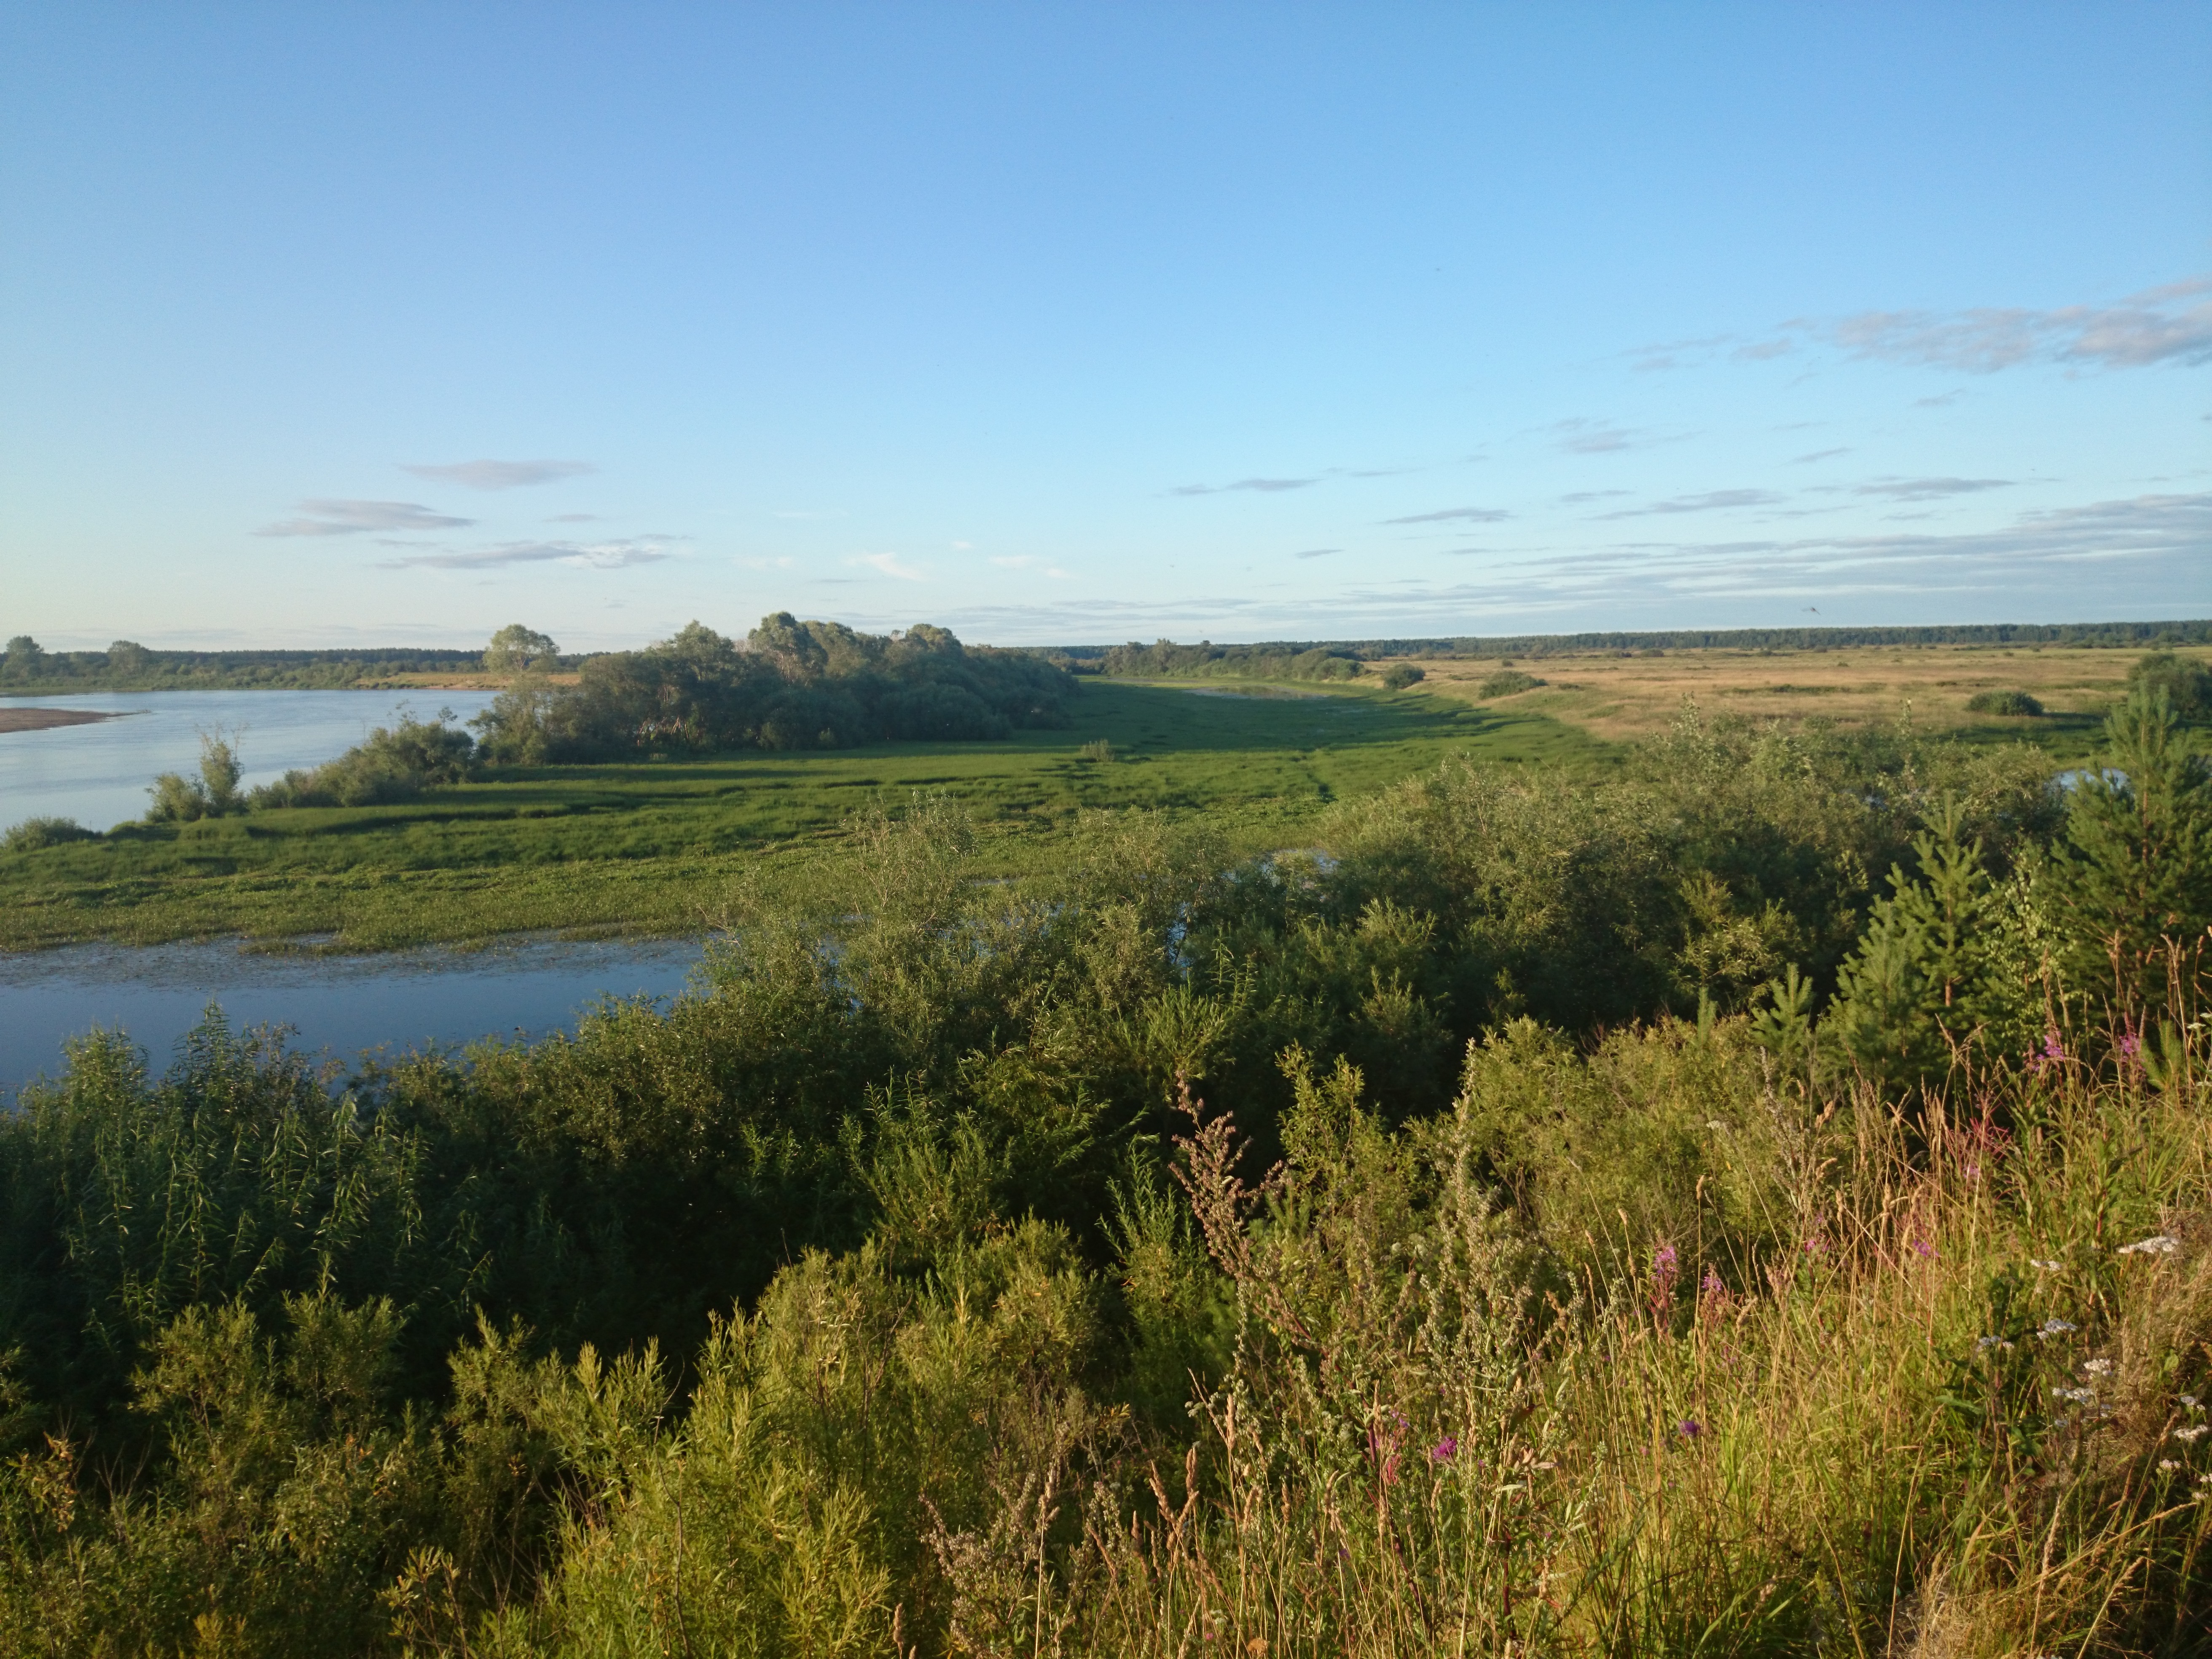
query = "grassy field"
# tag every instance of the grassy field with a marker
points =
(1623, 697)
(665, 846)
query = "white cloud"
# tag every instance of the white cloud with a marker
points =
(1929, 489)
(1031, 562)
(2143, 557)
(1263, 486)
(500, 475)
(582, 556)
(889, 565)
(2168, 325)
(1712, 500)
(1463, 514)
(327, 518)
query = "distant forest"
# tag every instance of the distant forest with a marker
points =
(27, 668)
(1317, 659)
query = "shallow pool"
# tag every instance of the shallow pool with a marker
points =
(340, 1005)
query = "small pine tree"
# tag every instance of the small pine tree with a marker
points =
(2132, 874)
(1934, 970)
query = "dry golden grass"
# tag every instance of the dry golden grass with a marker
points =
(1622, 695)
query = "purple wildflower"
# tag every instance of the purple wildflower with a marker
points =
(1445, 1449)
(1689, 1428)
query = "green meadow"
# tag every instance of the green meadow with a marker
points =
(664, 846)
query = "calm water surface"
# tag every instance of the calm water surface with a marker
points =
(340, 1005)
(99, 774)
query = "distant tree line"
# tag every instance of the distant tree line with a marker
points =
(1164, 658)
(1098, 658)
(125, 665)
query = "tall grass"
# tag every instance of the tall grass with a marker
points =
(1954, 1408)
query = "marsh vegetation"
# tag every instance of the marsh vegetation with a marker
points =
(1752, 1197)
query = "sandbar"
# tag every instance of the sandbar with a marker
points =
(38, 720)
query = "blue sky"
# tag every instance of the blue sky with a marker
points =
(351, 324)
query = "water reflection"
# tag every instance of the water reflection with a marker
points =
(340, 1004)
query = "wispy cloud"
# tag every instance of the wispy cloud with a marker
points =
(1928, 489)
(352, 517)
(1713, 501)
(889, 564)
(574, 518)
(1817, 455)
(810, 512)
(765, 564)
(501, 475)
(582, 556)
(1317, 553)
(1263, 486)
(1462, 514)
(2168, 325)
(1581, 496)
(1585, 436)
(2148, 553)
(1031, 562)
(2171, 324)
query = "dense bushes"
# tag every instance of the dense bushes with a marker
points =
(394, 762)
(1560, 1220)
(1165, 659)
(792, 685)
(2003, 702)
(35, 835)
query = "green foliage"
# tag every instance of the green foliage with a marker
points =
(515, 648)
(1942, 965)
(1506, 683)
(1359, 1250)
(213, 794)
(2185, 682)
(2003, 702)
(35, 834)
(396, 763)
(1399, 675)
(793, 685)
(656, 848)
(2129, 888)
(1165, 659)
(25, 659)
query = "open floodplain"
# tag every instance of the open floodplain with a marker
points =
(1562, 1157)
(659, 846)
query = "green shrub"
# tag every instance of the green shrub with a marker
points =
(1399, 675)
(2185, 682)
(396, 763)
(1505, 683)
(213, 794)
(33, 834)
(2003, 702)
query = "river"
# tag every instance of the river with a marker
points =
(99, 774)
